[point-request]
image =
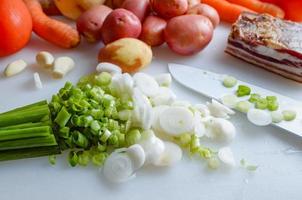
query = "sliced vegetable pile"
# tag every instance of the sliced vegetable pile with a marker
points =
(27, 132)
(123, 122)
(261, 110)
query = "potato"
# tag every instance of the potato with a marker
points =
(69, 8)
(153, 31)
(188, 34)
(192, 3)
(89, 24)
(117, 3)
(120, 23)
(74, 8)
(169, 8)
(129, 53)
(139, 7)
(87, 4)
(207, 11)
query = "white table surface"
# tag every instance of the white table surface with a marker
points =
(278, 154)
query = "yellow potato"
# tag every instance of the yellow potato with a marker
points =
(87, 4)
(129, 53)
(74, 8)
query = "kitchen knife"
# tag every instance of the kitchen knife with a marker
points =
(210, 85)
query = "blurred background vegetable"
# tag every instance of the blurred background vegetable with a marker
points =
(15, 26)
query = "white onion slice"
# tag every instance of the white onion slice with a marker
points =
(222, 129)
(259, 117)
(180, 103)
(152, 146)
(230, 100)
(137, 155)
(219, 110)
(199, 127)
(164, 80)
(165, 96)
(170, 156)
(118, 167)
(146, 84)
(203, 109)
(176, 121)
(226, 155)
(108, 67)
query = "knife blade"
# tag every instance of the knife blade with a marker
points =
(210, 85)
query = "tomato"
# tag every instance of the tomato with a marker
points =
(15, 26)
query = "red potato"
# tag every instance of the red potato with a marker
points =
(207, 11)
(49, 7)
(188, 34)
(153, 31)
(117, 3)
(89, 24)
(139, 7)
(192, 3)
(169, 8)
(120, 23)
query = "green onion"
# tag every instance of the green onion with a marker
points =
(24, 133)
(243, 91)
(261, 104)
(73, 158)
(132, 137)
(184, 139)
(99, 159)
(243, 106)
(277, 116)
(229, 81)
(62, 117)
(83, 158)
(52, 159)
(64, 132)
(254, 98)
(213, 163)
(289, 115)
(103, 79)
(79, 139)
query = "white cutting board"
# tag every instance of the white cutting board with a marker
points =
(278, 154)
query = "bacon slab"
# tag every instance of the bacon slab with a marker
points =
(268, 42)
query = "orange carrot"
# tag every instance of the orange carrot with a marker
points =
(260, 7)
(52, 30)
(227, 11)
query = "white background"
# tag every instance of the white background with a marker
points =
(278, 154)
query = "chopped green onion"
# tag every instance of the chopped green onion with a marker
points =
(105, 136)
(64, 132)
(261, 104)
(254, 98)
(272, 105)
(132, 137)
(277, 116)
(185, 139)
(229, 81)
(194, 144)
(271, 98)
(99, 159)
(79, 139)
(73, 158)
(113, 140)
(103, 79)
(213, 163)
(252, 167)
(52, 159)
(243, 106)
(83, 158)
(243, 91)
(289, 115)
(205, 153)
(62, 117)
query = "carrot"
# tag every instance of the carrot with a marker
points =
(260, 7)
(53, 31)
(227, 11)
